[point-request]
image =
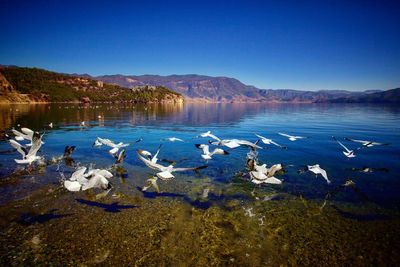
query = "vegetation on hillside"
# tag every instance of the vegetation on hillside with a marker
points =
(43, 85)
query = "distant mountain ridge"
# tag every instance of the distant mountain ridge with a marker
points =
(223, 89)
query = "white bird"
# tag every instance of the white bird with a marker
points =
(82, 124)
(292, 137)
(173, 139)
(151, 182)
(367, 143)
(28, 156)
(268, 141)
(209, 134)
(25, 134)
(108, 142)
(206, 151)
(51, 125)
(234, 143)
(95, 178)
(262, 174)
(148, 154)
(165, 171)
(318, 170)
(348, 153)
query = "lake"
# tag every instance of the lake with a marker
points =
(233, 221)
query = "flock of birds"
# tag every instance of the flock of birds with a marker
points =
(84, 178)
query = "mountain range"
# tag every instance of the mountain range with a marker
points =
(223, 89)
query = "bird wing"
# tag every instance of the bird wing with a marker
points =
(286, 135)
(106, 142)
(213, 137)
(28, 132)
(273, 169)
(150, 164)
(273, 180)
(18, 135)
(78, 173)
(261, 137)
(36, 144)
(358, 141)
(324, 174)
(274, 143)
(165, 175)
(154, 159)
(188, 169)
(113, 150)
(73, 186)
(22, 150)
(103, 173)
(340, 143)
(231, 144)
(219, 151)
(97, 181)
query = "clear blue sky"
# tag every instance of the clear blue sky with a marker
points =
(294, 44)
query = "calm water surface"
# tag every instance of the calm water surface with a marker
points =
(155, 122)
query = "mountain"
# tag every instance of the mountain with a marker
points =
(193, 87)
(389, 96)
(224, 89)
(38, 85)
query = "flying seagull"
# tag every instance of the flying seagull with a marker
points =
(173, 139)
(318, 170)
(114, 147)
(269, 141)
(292, 137)
(206, 151)
(25, 134)
(262, 174)
(165, 172)
(148, 155)
(219, 142)
(367, 143)
(348, 153)
(151, 182)
(28, 156)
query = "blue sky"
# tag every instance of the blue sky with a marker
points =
(352, 45)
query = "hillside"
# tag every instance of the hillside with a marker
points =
(194, 87)
(389, 96)
(38, 85)
(224, 89)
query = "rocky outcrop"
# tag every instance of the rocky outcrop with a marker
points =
(8, 94)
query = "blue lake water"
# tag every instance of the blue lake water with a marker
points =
(154, 122)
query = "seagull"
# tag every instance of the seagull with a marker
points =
(348, 153)
(234, 143)
(120, 157)
(148, 154)
(28, 156)
(269, 141)
(209, 134)
(80, 180)
(173, 139)
(151, 182)
(108, 142)
(367, 143)
(25, 134)
(218, 141)
(166, 171)
(51, 125)
(262, 174)
(206, 151)
(318, 170)
(82, 124)
(292, 137)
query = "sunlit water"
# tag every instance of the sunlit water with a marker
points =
(154, 122)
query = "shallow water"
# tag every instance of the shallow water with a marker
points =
(229, 209)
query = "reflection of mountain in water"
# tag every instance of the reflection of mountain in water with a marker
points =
(39, 116)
